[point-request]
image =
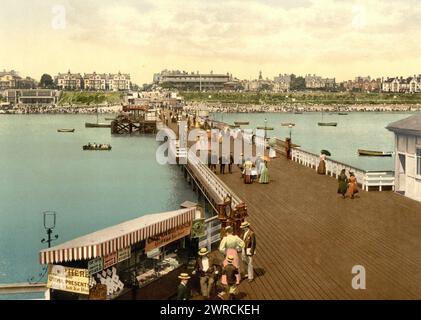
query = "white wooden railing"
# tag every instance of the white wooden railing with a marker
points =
(366, 178)
(213, 184)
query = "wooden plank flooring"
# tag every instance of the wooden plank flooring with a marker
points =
(309, 238)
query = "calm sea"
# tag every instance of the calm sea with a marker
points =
(357, 130)
(41, 170)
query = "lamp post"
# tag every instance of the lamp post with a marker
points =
(49, 225)
(266, 121)
(290, 130)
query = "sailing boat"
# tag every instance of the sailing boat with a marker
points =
(327, 124)
(97, 124)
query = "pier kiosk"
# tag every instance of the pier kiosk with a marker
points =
(137, 259)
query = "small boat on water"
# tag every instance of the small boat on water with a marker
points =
(327, 124)
(371, 153)
(343, 113)
(97, 147)
(265, 128)
(97, 125)
(298, 112)
(287, 124)
(66, 130)
(239, 123)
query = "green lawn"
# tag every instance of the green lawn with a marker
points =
(303, 97)
(90, 98)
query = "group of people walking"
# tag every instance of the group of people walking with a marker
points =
(257, 171)
(230, 272)
(347, 186)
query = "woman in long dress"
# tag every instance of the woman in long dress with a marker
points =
(264, 176)
(352, 186)
(247, 171)
(343, 183)
(231, 245)
(321, 169)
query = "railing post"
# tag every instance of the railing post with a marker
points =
(380, 184)
(209, 235)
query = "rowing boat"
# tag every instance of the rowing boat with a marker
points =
(97, 125)
(287, 124)
(240, 123)
(66, 130)
(372, 153)
(327, 124)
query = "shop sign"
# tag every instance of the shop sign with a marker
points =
(124, 254)
(110, 260)
(95, 265)
(167, 237)
(68, 279)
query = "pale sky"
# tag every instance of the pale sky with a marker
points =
(341, 38)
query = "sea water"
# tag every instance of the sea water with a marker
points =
(43, 170)
(357, 130)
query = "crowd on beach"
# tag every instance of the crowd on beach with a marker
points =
(299, 107)
(56, 109)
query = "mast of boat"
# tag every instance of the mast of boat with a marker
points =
(97, 115)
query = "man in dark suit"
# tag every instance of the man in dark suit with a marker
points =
(207, 270)
(249, 249)
(183, 292)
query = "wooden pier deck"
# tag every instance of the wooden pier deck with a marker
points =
(309, 238)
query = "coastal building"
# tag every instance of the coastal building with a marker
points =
(408, 156)
(282, 83)
(315, 82)
(183, 80)
(31, 96)
(69, 81)
(400, 84)
(12, 80)
(96, 81)
(363, 84)
(119, 82)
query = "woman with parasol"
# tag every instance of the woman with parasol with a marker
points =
(321, 169)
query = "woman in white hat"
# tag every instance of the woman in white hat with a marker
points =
(230, 245)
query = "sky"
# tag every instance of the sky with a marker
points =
(332, 38)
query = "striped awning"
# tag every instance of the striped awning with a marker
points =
(110, 240)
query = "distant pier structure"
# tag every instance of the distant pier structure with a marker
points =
(135, 120)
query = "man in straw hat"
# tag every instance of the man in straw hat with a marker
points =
(206, 268)
(231, 272)
(183, 292)
(249, 249)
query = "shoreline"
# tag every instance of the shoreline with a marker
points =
(299, 107)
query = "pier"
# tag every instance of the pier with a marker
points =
(309, 239)
(135, 120)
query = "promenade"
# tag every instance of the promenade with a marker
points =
(309, 238)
